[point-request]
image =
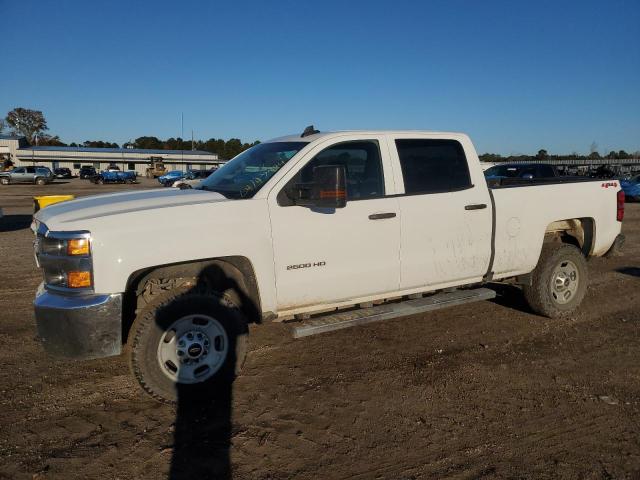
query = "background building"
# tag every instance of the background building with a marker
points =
(21, 153)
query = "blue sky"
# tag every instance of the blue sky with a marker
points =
(516, 75)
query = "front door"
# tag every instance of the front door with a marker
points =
(19, 175)
(325, 256)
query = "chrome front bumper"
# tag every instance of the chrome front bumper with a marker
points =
(82, 327)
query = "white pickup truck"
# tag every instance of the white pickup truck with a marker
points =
(391, 222)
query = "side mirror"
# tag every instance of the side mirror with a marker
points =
(327, 190)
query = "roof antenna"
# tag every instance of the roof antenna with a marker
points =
(309, 131)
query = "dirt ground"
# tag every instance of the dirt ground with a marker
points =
(487, 390)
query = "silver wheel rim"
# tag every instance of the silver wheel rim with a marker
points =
(193, 349)
(564, 282)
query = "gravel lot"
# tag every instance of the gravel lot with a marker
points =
(487, 390)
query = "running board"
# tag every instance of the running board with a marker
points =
(338, 321)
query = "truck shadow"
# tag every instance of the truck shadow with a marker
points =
(633, 271)
(203, 424)
(510, 296)
(12, 223)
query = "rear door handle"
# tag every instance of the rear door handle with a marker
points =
(475, 206)
(381, 216)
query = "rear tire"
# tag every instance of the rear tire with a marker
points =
(5, 181)
(187, 346)
(559, 281)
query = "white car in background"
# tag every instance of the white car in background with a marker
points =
(192, 179)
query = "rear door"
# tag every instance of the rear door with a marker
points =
(325, 256)
(445, 211)
(30, 175)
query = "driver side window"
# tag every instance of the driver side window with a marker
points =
(362, 163)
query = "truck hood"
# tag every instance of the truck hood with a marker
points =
(63, 216)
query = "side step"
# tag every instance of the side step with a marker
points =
(337, 321)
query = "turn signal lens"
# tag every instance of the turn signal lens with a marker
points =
(78, 246)
(78, 279)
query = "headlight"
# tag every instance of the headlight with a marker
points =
(65, 259)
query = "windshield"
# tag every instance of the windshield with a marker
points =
(243, 176)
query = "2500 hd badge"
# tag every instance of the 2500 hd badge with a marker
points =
(306, 265)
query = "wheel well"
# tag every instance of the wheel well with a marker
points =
(235, 273)
(575, 231)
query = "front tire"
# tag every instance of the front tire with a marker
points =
(187, 346)
(40, 181)
(559, 281)
(5, 181)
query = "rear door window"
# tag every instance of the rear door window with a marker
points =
(433, 166)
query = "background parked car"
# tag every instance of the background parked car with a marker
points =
(192, 178)
(62, 173)
(87, 171)
(631, 188)
(519, 170)
(38, 174)
(114, 176)
(169, 178)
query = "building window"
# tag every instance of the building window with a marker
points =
(77, 166)
(131, 166)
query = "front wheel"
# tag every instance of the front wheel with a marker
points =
(559, 281)
(187, 346)
(40, 181)
(4, 181)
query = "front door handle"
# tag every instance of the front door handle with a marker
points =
(475, 206)
(381, 216)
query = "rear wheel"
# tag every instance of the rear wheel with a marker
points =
(559, 281)
(5, 181)
(187, 345)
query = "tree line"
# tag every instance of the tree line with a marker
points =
(543, 155)
(33, 126)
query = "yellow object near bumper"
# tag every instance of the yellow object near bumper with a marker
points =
(46, 200)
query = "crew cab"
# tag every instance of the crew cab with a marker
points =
(303, 226)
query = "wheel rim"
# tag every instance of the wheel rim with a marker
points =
(564, 282)
(193, 349)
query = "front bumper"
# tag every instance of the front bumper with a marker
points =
(81, 327)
